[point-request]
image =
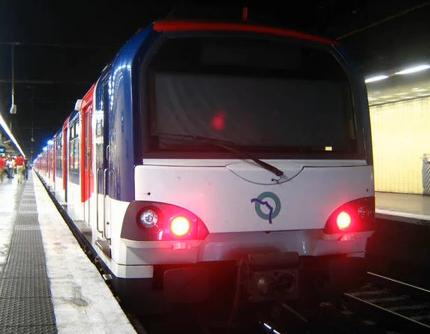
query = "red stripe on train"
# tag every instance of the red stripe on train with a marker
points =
(172, 26)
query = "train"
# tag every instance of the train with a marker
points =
(207, 148)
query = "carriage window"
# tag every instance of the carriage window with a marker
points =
(74, 153)
(264, 95)
(59, 154)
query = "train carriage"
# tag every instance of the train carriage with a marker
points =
(208, 143)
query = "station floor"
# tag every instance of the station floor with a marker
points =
(405, 207)
(47, 283)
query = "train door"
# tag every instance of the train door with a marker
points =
(102, 169)
(74, 204)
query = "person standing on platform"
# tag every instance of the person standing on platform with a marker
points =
(13, 166)
(19, 162)
(2, 167)
(26, 166)
(9, 167)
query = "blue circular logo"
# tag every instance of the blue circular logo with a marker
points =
(267, 206)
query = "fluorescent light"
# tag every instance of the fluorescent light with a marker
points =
(414, 69)
(50, 142)
(10, 134)
(45, 149)
(376, 78)
(267, 326)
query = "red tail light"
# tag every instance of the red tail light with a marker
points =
(343, 220)
(355, 216)
(161, 221)
(180, 226)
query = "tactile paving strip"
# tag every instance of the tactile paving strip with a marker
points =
(51, 329)
(25, 296)
(25, 288)
(26, 312)
(27, 219)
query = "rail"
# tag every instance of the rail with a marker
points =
(395, 299)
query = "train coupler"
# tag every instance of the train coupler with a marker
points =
(270, 277)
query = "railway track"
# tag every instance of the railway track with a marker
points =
(382, 305)
(393, 300)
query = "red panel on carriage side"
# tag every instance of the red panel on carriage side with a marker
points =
(87, 177)
(57, 152)
(50, 157)
(65, 127)
(48, 175)
(51, 162)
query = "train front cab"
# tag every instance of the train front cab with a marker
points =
(224, 144)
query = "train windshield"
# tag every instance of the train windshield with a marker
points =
(263, 95)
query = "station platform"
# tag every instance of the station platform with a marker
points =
(47, 283)
(404, 207)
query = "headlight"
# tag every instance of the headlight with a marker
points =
(148, 218)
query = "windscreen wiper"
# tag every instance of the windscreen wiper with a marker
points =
(227, 146)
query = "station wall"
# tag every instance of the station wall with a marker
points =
(401, 139)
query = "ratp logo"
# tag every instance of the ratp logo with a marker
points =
(267, 206)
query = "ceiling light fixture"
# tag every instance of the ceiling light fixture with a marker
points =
(414, 69)
(13, 108)
(10, 134)
(376, 78)
(418, 89)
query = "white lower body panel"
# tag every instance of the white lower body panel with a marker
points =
(139, 257)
